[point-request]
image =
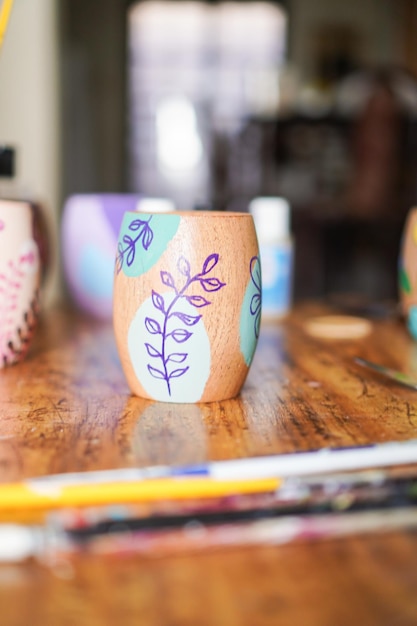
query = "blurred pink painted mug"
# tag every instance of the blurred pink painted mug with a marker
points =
(21, 266)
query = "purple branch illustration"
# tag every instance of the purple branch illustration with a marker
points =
(256, 301)
(144, 233)
(172, 312)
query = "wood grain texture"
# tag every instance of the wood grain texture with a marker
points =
(368, 581)
(68, 407)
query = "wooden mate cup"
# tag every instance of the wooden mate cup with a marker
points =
(187, 303)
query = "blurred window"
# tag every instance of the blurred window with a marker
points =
(196, 72)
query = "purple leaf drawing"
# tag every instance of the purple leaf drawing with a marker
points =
(211, 284)
(156, 373)
(136, 225)
(131, 251)
(180, 335)
(153, 352)
(255, 303)
(210, 263)
(197, 301)
(147, 237)
(167, 279)
(158, 301)
(256, 300)
(173, 313)
(184, 266)
(189, 320)
(152, 326)
(177, 357)
(179, 372)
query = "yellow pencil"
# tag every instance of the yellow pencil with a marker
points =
(28, 499)
(4, 17)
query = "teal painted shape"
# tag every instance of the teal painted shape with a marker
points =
(143, 239)
(192, 353)
(250, 313)
(96, 272)
(412, 321)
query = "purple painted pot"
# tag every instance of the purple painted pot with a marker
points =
(89, 231)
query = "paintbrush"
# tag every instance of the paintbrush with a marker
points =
(388, 372)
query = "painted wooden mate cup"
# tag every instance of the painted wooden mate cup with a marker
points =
(21, 269)
(408, 272)
(187, 303)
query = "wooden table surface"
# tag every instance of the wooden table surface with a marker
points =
(68, 408)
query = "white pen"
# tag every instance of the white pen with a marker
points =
(324, 460)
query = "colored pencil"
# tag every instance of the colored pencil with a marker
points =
(281, 530)
(219, 478)
(5, 11)
(26, 498)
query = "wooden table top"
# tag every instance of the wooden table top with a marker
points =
(68, 408)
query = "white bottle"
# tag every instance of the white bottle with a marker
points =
(272, 222)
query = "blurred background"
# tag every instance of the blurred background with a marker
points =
(214, 103)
